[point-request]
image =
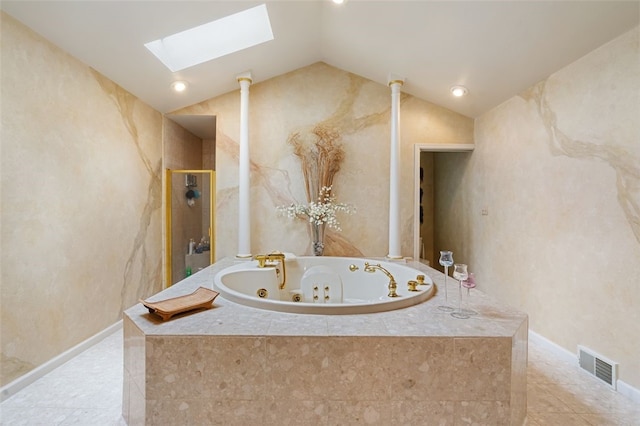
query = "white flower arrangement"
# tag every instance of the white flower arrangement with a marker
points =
(319, 212)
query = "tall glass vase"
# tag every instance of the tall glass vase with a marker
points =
(317, 235)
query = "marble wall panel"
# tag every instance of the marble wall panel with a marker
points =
(196, 368)
(202, 412)
(296, 412)
(134, 354)
(423, 369)
(496, 413)
(424, 413)
(558, 169)
(359, 111)
(519, 361)
(81, 197)
(326, 380)
(482, 369)
(134, 373)
(360, 412)
(182, 149)
(308, 368)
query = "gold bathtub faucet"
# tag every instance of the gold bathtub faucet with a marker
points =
(392, 281)
(273, 260)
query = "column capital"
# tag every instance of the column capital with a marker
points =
(245, 76)
(395, 79)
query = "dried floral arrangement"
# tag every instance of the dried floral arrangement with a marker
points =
(321, 156)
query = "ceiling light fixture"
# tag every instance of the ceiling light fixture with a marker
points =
(338, 1)
(459, 91)
(179, 86)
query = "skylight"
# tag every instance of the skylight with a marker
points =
(214, 39)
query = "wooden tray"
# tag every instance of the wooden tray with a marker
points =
(201, 298)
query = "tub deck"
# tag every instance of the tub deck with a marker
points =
(238, 365)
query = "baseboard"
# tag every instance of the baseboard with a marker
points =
(40, 371)
(623, 388)
(552, 347)
(629, 391)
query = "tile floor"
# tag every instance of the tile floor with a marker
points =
(88, 391)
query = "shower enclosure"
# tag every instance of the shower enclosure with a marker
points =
(190, 196)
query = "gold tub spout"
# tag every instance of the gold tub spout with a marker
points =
(393, 286)
(273, 260)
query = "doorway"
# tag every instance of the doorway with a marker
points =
(190, 243)
(425, 162)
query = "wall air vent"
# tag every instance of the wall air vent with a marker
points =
(598, 366)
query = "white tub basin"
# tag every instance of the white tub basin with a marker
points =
(321, 285)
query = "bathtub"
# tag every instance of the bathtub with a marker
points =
(321, 285)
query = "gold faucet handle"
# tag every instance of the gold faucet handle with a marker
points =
(420, 279)
(412, 285)
(276, 256)
(262, 260)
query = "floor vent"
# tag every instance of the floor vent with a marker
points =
(598, 366)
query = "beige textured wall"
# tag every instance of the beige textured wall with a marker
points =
(81, 197)
(558, 169)
(359, 110)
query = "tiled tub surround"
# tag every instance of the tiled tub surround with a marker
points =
(238, 365)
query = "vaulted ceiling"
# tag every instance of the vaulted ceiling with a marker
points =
(496, 49)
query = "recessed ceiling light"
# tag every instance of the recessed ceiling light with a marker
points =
(179, 86)
(214, 39)
(458, 91)
(338, 1)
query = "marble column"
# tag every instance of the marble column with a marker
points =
(244, 184)
(394, 170)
